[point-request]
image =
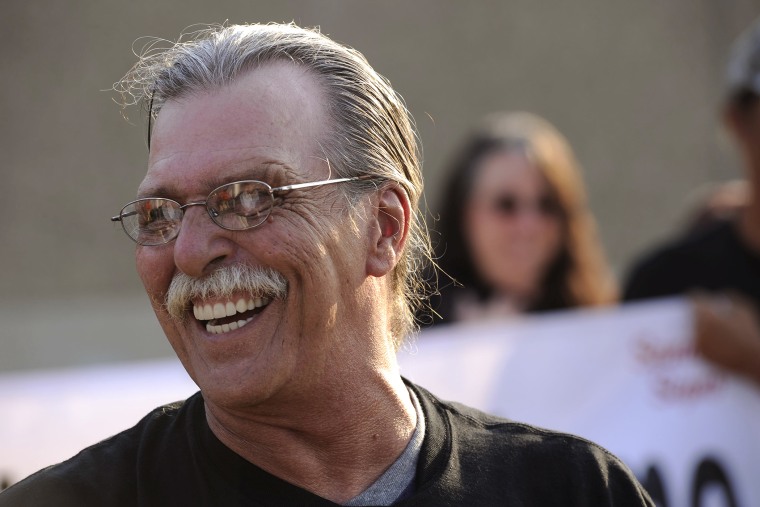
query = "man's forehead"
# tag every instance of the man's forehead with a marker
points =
(267, 122)
(277, 95)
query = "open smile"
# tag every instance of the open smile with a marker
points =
(228, 315)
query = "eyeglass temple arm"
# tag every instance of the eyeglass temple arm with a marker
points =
(118, 218)
(296, 186)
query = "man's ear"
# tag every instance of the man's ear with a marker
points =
(391, 217)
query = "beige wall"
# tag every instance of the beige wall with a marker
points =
(634, 85)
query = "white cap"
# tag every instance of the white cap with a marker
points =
(743, 71)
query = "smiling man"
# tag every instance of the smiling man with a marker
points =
(278, 239)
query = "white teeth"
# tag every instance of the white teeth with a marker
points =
(211, 313)
(224, 328)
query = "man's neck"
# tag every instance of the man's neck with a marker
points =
(336, 445)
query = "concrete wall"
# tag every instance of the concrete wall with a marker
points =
(635, 86)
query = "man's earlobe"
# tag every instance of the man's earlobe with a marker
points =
(392, 217)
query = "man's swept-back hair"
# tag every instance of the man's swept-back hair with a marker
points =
(372, 133)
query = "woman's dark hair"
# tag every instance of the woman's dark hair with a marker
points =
(743, 99)
(579, 275)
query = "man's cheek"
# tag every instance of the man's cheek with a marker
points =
(155, 272)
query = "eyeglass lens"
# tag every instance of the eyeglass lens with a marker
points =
(236, 206)
(240, 205)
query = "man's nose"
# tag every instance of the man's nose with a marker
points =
(201, 245)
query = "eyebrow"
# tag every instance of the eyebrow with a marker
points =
(269, 171)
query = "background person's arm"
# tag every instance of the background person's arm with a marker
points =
(727, 332)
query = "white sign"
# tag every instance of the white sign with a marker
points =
(47, 417)
(625, 378)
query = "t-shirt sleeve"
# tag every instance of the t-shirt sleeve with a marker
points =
(585, 473)
(621, 488)
(42, 489)
(655, 276)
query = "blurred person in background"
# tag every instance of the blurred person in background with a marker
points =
(719, 202)
(718, 263)
(516, 233)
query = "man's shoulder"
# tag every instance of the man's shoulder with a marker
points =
(699, 246)
(106, 469)
(680, 264)
(490, 459)
(490, 435)
(472, 423)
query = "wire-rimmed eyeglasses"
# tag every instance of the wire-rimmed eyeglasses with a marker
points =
(233, 206)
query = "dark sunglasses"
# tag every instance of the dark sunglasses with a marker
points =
(510, 205)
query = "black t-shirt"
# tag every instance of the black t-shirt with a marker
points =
(714, 259)
(468, 458)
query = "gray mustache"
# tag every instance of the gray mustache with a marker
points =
(224, 282)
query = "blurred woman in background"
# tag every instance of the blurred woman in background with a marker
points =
(515, 231)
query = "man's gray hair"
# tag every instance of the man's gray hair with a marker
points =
(372, 131)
